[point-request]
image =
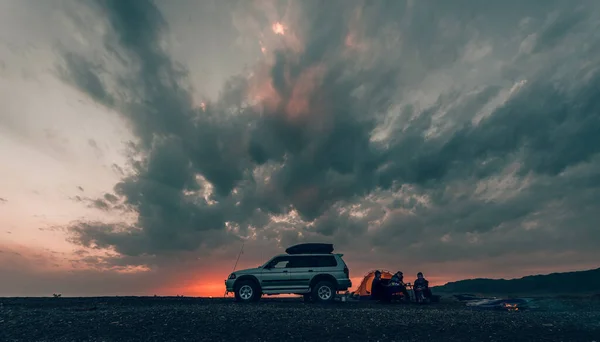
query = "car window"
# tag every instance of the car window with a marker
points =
(279, 263)
(299, 261)
(326, 261)
(312, 261)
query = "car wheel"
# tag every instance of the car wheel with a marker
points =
(323, 292)
(247, 291)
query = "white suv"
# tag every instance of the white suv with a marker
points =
(308, 272)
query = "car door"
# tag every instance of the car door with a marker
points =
(302, 269)
(275, 275)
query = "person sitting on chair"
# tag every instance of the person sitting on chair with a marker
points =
(421, 288)
(397, 284)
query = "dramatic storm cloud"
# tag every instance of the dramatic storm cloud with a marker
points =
(451, 131)
(404, 132)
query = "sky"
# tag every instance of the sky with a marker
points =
(143, 143)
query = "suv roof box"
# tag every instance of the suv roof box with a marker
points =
(310, 248)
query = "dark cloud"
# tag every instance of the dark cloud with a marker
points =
(111, 198)
(446, 131)
(108, 203)
(97, 150)
(3, 200)
(117, 169)
(84, 75)
(99, 204)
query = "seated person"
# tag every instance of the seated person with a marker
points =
(397, 279)
(377, 286)
(421, 288)
(397, 284)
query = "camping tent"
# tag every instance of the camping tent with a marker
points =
(364, 289)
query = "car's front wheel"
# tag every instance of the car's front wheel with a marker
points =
(247, 291)
(323, 292)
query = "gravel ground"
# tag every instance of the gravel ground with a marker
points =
(196, 319)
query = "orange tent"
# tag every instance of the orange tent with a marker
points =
(364, 289)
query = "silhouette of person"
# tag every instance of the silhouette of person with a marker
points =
(377, 286)
(421, 286)
(397, 284)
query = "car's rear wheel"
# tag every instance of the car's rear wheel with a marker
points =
(323, 292)
(247, 291)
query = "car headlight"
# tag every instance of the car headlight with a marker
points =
(232, 276)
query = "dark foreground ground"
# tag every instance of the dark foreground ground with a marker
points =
(193, 319)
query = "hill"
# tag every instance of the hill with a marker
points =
(579, 282)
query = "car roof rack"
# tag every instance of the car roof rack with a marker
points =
(310, 248)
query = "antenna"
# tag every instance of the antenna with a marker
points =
(236, 262)
(238, 258)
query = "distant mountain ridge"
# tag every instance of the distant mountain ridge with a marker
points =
(554, 283)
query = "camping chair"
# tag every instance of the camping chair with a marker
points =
(399, 295)
(420, 300)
